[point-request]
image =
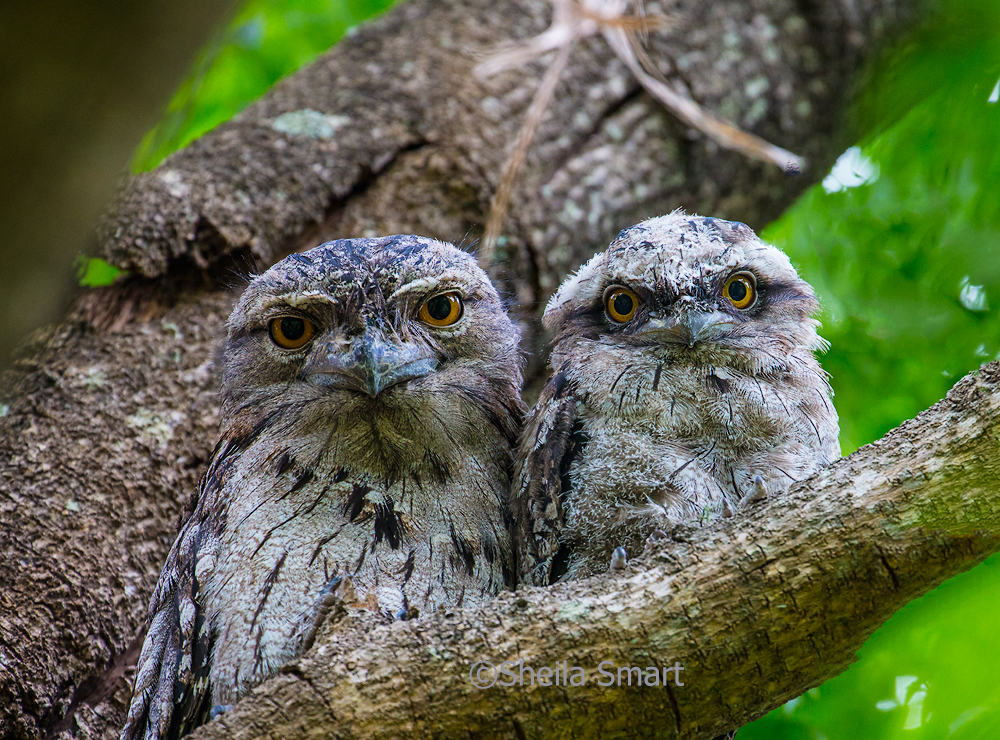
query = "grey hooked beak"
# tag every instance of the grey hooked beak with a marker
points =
(687, 327)
(371, 365)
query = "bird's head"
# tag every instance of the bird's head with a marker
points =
(390, 342)
(689, 289)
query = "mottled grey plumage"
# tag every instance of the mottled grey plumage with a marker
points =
(680, 413)
(375, 457)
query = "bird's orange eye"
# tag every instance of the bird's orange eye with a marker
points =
(291, 332)
(620, 303)
(441, 310)
(741, 290)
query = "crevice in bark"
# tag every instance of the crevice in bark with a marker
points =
(136, 300)
(96, 689)
(888, 569)
(366, 179)
(295, 671)
(518, 730)
(675, 707)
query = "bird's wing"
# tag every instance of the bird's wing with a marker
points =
(172, 694)
(553, 436)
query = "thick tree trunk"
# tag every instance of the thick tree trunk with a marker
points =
(107, 419)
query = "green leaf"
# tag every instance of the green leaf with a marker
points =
(94, 272)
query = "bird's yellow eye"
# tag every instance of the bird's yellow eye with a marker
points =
(290, 332)
(741, 290)
(441, 310)
(620, 303)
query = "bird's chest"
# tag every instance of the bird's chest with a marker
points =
(402, 544)
(687, 440)
(715, 411)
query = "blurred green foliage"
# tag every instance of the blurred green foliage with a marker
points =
(901, 241)
(907, 260)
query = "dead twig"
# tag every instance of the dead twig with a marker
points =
(575, 19)
(525, 136)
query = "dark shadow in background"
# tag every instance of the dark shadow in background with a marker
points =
(81, 81)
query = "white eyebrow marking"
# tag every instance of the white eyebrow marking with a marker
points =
(430, 284)
(298, 300)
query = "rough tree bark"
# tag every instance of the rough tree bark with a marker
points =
(107, 418)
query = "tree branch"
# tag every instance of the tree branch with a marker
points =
(757, 609)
